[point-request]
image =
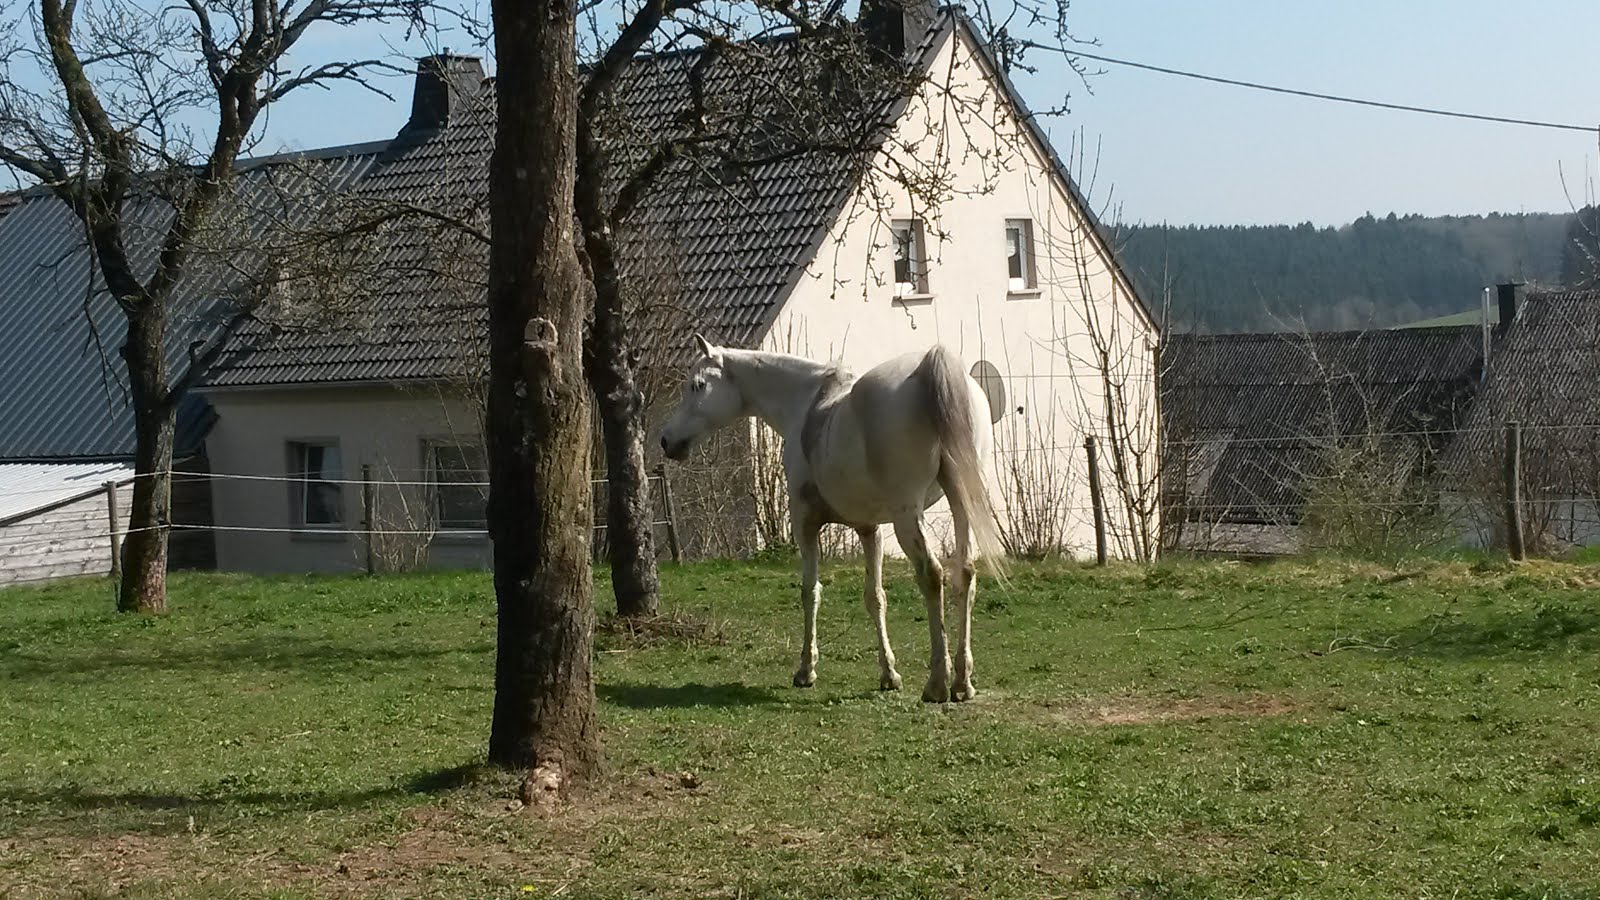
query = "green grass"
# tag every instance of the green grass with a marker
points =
(1328, 729)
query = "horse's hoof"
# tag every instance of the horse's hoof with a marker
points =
(805, 679)
(934, 693)
(963, 693)
(889, 682)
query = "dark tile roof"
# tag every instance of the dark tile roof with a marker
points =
(720, 252)
(1544, 373)
(1249, 417)
(64, 390)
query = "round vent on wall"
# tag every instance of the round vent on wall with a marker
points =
(994, 387)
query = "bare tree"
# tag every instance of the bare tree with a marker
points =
(538, 426)
(112, 133)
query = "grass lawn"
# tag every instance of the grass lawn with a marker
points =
(1332, 729)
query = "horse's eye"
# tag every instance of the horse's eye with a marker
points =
(697, 386)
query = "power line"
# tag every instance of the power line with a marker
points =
(1426, 110)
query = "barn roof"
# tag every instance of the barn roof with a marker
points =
(1248, 418)
(1545, 374)
(65, 392)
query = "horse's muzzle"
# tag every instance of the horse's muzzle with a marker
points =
(677, 451)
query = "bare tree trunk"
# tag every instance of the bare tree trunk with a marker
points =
(144, 553)
(609, 361)
(538, 423)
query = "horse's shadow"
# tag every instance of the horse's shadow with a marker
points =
(683, 696)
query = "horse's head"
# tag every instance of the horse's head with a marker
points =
(710, 400)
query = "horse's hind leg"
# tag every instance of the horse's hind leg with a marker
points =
(872, 546)
(930, 578)
(963, 584)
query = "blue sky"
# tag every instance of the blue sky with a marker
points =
(1181, 151)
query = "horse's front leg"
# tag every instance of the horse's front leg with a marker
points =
(808, 536)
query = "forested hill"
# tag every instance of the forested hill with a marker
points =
(1374, 272)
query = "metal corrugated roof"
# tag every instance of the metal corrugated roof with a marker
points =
(63, 388)
(29, 487)
(1248, 417)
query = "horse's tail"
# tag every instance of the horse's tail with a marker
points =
(950, 402)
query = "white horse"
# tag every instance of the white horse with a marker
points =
(862, 452)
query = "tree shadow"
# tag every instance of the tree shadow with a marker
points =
(275, 653)
(684, 696)
(1544, 626)
(78, 809)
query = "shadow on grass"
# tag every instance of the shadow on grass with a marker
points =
(683, 696)
(1544, 626)
(79, 809)
(276, 653)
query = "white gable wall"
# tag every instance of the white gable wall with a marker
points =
(1040, 341)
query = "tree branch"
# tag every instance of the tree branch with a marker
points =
(622, 50)
(353, 72)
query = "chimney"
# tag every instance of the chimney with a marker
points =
(445, 84)
(1510, 297)
(897, 27)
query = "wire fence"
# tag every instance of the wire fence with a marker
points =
(1552, 498)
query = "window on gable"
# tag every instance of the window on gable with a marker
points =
(316, 497)
(459, 473)
(1019, 255)
(910, 258)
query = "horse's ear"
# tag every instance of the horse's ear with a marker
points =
(704, 345)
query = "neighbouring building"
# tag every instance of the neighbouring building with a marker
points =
(1544, 376)
(1276, 443)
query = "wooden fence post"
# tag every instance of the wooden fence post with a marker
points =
(672, 519)
(1514, 535)
(116, 529)
(367, 505)
(1098, 501)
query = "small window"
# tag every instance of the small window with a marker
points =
(910, 258)
(316, 497)
(460, 498)
(1019, 255)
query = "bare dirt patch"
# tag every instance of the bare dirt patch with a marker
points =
(1133, 710)
(431, 843)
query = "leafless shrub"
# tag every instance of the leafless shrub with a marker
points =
(1036, 482)
(403, 524)
(1369, 497)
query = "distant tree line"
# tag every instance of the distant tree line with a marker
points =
(1372, 273)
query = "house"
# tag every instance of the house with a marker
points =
(1273, 438)
(320, 430)
(66, 426)
(1542, 375)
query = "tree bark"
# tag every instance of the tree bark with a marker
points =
(609, 363)
(144, 553)
(538, 424)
